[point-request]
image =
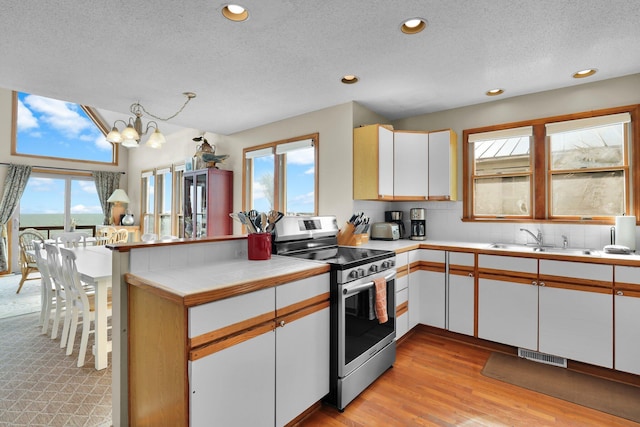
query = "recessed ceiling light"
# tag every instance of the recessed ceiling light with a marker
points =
(235, 12)
(413, 25)
(584, 73)
(494, 92)
(350, 79)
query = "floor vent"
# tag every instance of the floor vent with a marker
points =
(548, 359)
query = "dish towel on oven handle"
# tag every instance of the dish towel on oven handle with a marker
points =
(381, 299)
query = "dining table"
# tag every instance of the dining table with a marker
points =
(94, 267)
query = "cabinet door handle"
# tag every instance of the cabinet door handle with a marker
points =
(541, 284)
(470, 274)
(534, 283)
(282, 323)
(620, 293)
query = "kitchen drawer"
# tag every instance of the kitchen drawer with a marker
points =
(626, 274)
(577, 270)
(402, 282)
(427, 255)
(402, 296)
(508, 263)
(466, 259)
(402, 259)
(218, 314)
(300, 290)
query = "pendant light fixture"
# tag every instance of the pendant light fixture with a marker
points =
(132, 132)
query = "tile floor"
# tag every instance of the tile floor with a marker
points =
(39, 384)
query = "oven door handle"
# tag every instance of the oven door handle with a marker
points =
(359, 288)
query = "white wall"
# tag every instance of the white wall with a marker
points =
(335, 126)
(444, 218)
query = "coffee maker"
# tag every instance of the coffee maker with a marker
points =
(395, 217)
(418, 223)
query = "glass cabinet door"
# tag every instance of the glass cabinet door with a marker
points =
(201, 205)
(189, 205)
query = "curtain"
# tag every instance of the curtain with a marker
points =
(14, 185)
(106, 184)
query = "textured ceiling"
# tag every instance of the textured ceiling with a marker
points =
(288, 57)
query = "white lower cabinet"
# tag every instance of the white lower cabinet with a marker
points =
(508, 300)
(508, 312)
(566, 309)
(402, 305)
(576, 311)
(302, 365)
(461, 293)
(432, 298)
(427, 288)
(577, 325)
(235, 386)
(461, 312)
(270, 373)
(627, 319)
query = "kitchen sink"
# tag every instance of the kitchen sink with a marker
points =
(548, 249)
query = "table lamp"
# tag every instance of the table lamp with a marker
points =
(117, 210)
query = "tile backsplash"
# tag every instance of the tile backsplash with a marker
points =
(444, 223)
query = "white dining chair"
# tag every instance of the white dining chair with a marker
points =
(54, 268)
(48, 290)
(83, 304)
(72, 239)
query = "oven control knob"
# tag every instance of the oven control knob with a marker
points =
(361, 272)
(373, 268)
(386, 264)
(353, 274)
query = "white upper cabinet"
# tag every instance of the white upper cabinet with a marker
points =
(411, 165)
(404, 165)
(443, 183)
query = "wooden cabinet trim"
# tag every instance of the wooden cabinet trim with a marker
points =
(505, 275)
(437, 267)
(575, 287)
(461, 270)
(284, 311)
(230, 341)
(560, 281)
(299, 314)
(243, 288)
(402, 308)
(511, 279)
(299, 309)
(402, 271)
(209, 337)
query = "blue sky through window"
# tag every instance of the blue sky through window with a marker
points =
(52, 128)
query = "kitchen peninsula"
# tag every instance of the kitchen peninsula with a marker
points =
(202, 301)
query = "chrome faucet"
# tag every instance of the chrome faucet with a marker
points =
(537, 238)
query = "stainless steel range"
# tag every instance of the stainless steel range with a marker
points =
(362, 346)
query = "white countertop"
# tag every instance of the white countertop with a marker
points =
(406, 244)
(192, 280)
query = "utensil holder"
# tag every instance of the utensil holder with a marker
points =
(259, 246)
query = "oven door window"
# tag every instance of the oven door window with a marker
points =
(362, 328)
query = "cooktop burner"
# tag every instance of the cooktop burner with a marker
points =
(343, 257)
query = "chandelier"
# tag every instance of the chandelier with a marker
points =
(132, 132)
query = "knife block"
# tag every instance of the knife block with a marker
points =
(346, 236)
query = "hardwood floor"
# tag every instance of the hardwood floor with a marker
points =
(437, 382)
